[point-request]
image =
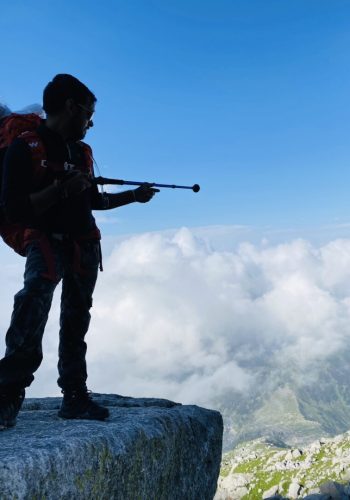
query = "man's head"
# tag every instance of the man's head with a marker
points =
(69, 106)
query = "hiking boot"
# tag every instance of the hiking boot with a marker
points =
(10, 404)
(79, 404)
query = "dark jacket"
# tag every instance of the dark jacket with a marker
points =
(70, 216)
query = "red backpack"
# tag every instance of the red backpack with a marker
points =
(24, 126)
(13, 125)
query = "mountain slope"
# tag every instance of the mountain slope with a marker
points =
(289, 405)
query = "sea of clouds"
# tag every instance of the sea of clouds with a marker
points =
(177, 318)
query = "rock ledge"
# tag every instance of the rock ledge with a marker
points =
(148, 449)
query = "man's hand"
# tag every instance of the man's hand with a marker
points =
(145, 193)
(75, 184)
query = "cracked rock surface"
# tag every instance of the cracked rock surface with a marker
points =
(147, 449)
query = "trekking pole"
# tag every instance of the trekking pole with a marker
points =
(103, 180)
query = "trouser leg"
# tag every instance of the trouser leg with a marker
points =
(76, 301)
(32, 304)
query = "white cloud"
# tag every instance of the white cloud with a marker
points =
(107, 219)
(175, 318)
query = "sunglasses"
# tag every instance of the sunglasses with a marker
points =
(89, 113)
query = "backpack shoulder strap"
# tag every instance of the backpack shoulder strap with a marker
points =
(37, 148)
(89, 160)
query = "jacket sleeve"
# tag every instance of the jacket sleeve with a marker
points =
(99, 200)
(16, 182)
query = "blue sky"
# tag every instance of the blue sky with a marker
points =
(248, 98)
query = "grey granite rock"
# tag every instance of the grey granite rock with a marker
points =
(149, 449)
(317, 496)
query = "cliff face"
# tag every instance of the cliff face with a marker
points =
(149, 449)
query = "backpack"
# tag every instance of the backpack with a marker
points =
(24, 126)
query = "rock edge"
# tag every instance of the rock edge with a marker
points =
(148, 449)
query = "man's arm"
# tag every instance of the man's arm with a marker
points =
(58, 190)
(107, 201)
(19, 203)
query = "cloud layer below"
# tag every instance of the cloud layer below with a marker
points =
(175, 318)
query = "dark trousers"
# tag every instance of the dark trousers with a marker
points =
(32, 304)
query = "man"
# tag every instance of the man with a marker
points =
(53, 199)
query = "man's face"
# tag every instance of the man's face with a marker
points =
(81, 120)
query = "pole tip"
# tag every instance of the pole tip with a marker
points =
(196, 188)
